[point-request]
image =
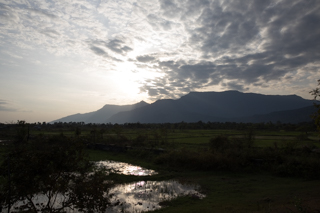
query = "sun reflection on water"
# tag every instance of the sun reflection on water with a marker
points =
(147, 195)
(125, 168)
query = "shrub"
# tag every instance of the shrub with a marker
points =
(219, 143)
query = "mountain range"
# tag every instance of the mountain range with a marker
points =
(227, 106)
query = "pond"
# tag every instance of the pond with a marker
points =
(146, 195)
(138, 196)
(125, 168)
(3, 142)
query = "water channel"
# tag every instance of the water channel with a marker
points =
(142, 195)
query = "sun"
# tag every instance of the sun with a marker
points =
(127, 82)
(129, 78)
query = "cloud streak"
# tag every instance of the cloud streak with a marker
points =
(4, 106)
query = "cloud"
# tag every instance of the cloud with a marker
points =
(234, 85)
(172, 47)
(118, 46)
(8, 15)
(50, 25)
(240, 45)
(12, 54)
(158, 23)
(4, 107)
(98, 51)
(51, 33)
(114, 49)
(170, 9)
(145, 58)
(42, 13)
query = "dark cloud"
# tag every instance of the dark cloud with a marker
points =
(145, 58)
(8, 13)
(42, 13)
(170, 8)
(101, 48)
(118, 46)
(51, 33)
(158, 23)
(181, 77)
(225, 28)
(234, 86)
(98, 51)
(152, 92)
(241, 42)
(109, 49)
(195, 7)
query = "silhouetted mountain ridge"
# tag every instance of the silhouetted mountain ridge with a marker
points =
(214, 106)
(101, 115)
(207, 106)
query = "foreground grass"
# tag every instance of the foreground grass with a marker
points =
(249, 193)
(229, 191)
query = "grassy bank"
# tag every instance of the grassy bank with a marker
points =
(229, 191)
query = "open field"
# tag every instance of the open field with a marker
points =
(197, 137)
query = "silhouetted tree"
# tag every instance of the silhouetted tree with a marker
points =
(316, 94)
(51, 174)
(22, 132)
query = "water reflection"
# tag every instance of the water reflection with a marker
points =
(4, 142)
(42, 200)
(133, 197)
(146, 195)
(125, 168)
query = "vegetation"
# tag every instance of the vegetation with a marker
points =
(316, 94)
(221, 157)
(54, 168)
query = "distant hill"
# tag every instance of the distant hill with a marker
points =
(221, 107)
(100, 116)
(288, 116)
(231, 106)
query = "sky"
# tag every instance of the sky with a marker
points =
(59, 57)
